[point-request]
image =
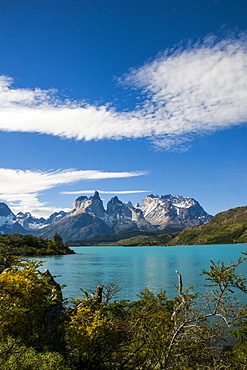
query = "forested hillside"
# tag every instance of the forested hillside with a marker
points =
(227, 227)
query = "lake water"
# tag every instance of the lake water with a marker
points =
(138, 267)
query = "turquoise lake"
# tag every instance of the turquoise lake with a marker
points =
(138, 267)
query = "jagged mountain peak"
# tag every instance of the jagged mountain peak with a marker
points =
(169, 200)
(5, 210)
(116, 208)
(156, 212)
(81, 198)
(55, 217)
(173, 210)
(95, 196)
(8, 223)
(115, 200)
(128, 204)
(29, 222)
(92, 205)
(170, 197)
(24, 222)
(22, 214)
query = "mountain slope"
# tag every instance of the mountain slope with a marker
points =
(30, 223)
(73, 227)
(8, 221)
(225, 228)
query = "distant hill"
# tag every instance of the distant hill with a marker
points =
(131, 237)
(142, 240)
(229, 227)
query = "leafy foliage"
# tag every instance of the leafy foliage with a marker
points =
(30, 245)
(25, 298)
(194, 331)
(15, 355)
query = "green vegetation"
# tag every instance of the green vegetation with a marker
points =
(30, 310)
(142, 240)
(131, 237)
(229, 227)
(191, 332)
(29, 245)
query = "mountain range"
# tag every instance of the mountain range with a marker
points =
(24, 223)
(88, 217)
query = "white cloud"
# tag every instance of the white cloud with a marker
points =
(106, 192)
(21, 189)
(198, 89)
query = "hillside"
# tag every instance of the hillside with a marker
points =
(142, 240)
(226, 227)
(131, 237)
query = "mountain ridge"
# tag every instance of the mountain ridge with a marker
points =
(88, 217)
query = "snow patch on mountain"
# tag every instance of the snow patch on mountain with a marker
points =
(173, 210)
(7, 217)
(6, 220)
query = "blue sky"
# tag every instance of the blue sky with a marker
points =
(124, 97)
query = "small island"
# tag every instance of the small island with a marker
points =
(30, 245)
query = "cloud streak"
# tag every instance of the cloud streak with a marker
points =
(197, 89)
(21, 189)
(106, 192)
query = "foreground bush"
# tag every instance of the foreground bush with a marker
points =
(17, 356)
(191, 332)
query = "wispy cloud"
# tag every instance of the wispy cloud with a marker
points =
(106, 192)
(21, 189)
(197, 89)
